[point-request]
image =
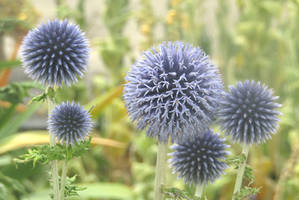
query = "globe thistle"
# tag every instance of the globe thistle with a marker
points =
(173, 91)
(54, 53)
(199, 160)
(70, 123)
(248, 113)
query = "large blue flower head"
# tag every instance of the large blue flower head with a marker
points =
(70, 123)
(173, 90)
(248, 113)
(199, 159)
(55, 53)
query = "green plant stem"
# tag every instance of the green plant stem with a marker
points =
(241, 171)
(199, 191)
(160, 169)
(63, 178)
(54, 163)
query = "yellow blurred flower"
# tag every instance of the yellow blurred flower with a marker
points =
(145, 29)
(171, 16)
(22, 16)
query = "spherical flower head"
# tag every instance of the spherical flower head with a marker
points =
(70, 123)
(173, 91)
(199, 160)
(248, 113)
(55, 53)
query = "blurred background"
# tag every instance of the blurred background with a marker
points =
(253, 39)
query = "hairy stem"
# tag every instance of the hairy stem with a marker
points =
(54, 163)
(160, 169)
(241, 171)
(63, 178)
(199, 191)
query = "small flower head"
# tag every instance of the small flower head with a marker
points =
(70, 123)
(55, 53)
(248, 113)
(173, 90)
(199, 160)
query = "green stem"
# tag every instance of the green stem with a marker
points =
(63, 178)
(241, 171)
(54, 163)
(199, 191)
(160, 169)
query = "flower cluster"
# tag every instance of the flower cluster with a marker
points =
(176, 92)
(70, 123)
(199, 159)
(173, 91)
(248, 113)
(55, 53)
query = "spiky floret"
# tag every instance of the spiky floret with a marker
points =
(199, 159)
(173, 90)
(70, 123)
(54, 53)
(248, 113)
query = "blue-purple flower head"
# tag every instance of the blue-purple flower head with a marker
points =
(249, 113)
(70, 123)
(173, 90)
(199, 159)
(54, 53)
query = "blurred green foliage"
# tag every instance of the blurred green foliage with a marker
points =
(256, 39)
